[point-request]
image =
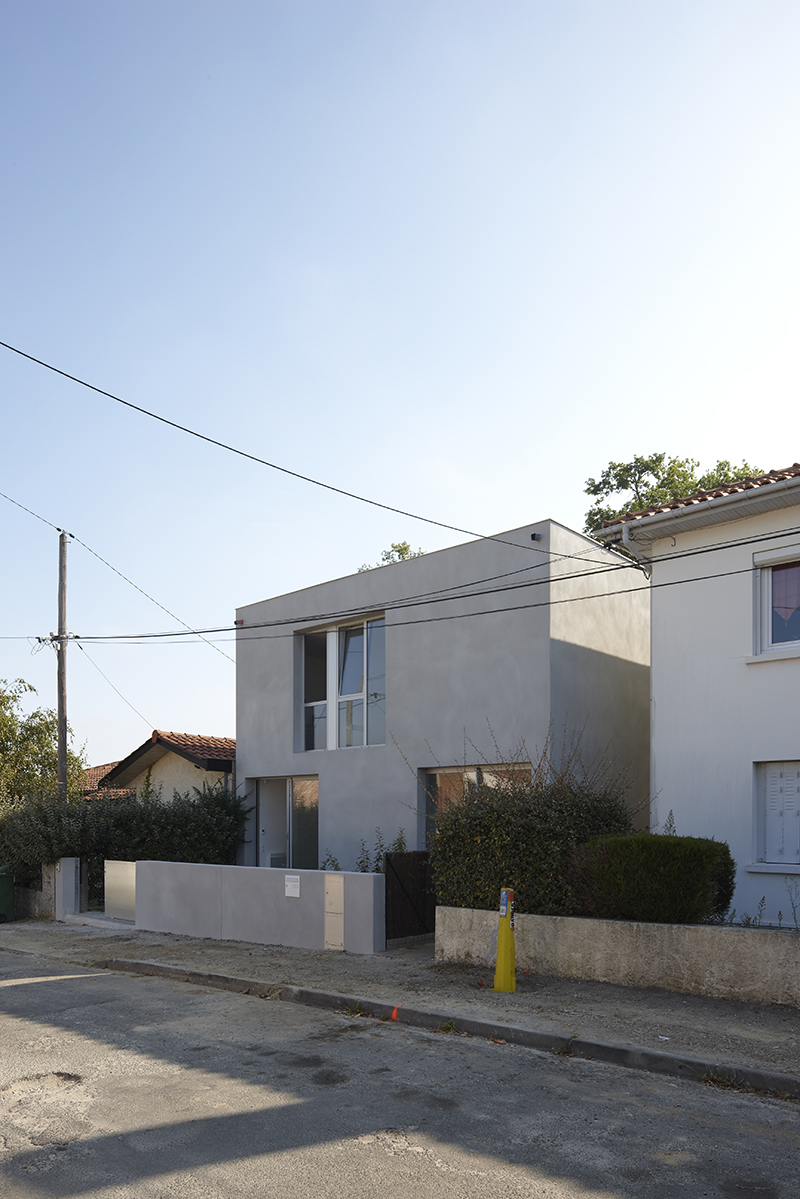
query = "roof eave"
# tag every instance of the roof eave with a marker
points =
(135, 764)
(647, 529)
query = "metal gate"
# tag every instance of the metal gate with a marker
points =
(410, 897)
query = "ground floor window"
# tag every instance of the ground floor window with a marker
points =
(780, 812)
(448, 784)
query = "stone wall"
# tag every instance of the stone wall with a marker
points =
(758, 965)
(37, 905)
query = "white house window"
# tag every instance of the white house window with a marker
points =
(344, 686)
(784, 607)
(781, 812)
(778, 598)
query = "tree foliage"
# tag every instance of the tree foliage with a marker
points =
(29, 747)
(654, 480)
(400, 551)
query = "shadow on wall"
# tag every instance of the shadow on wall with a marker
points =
(608, 698)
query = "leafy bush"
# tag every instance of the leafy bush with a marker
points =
(200, 827)
(653, 878)
(517, 834)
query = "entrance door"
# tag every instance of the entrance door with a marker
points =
(288, 823)
(273, 843)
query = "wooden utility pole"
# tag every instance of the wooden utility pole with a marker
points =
(61, 649)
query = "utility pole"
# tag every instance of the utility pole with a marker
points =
(61, 650)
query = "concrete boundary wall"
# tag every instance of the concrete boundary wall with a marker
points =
(256, 903)
(753, 964)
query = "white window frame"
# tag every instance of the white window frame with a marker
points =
(335, 641)
(764, 647)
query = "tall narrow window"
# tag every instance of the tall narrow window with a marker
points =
(362, 684)
(304, 823)
(376, 682)
(315, 707)
(351, 687)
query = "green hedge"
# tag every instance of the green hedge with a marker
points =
(201, 827)
(652, 878)
(518, 835)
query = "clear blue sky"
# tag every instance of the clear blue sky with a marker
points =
(452, 256)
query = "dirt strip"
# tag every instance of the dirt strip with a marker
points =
(756, 1037)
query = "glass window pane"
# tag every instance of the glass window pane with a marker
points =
(305, 824)
(315, 667)
(786, 603)
(316, 726)
(376, 682)
(352, 676)
(351, 722)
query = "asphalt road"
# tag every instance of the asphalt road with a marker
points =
(141, 1088)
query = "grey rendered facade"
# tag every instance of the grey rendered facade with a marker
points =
(488, 646)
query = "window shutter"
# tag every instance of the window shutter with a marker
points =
(775, 822)
(791, 813)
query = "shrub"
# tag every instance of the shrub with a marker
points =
(652, 878)
(201, 827)
(517, 834)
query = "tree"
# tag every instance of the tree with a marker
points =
(29, 747)
(655, 480)
(400, 551)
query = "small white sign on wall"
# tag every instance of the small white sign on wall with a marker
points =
(293, 885)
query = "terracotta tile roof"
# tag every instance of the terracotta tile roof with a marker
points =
(201, 747)
(95, 773)
(94, 783)
(109, 793)
(700, 497)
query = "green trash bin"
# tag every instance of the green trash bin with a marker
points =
(6, 895)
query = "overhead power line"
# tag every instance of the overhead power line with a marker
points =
(125, 578)
(139, 638)
(422, 599)
(83, 650)
(362, 499)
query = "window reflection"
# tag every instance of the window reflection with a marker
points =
(352, 676)
(786, 603)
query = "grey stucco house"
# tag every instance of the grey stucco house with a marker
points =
(361, 699)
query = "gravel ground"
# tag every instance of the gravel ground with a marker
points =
(760, 1036)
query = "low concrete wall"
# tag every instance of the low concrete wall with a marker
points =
(120, 889)
(37, 905)
(755, 964)
(255, 903)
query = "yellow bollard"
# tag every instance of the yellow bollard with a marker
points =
(505, 978)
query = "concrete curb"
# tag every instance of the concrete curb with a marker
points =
(632, 1057)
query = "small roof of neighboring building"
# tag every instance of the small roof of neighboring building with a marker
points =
(731, 501)
(95, 774)
(209, 753)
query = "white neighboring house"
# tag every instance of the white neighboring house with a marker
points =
(725, 675)
(362, 699)
(171, 762)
